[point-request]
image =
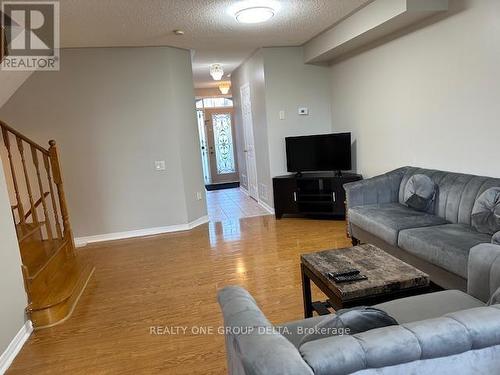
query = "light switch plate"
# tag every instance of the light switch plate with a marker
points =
(160, 165)
(198, 196)
(303, 111)
(282, 115)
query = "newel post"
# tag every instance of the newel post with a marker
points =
(56, 174)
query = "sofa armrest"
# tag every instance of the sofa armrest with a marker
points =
(483, 271)
(375, 190)
(253, 345)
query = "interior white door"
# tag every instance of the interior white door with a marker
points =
(246, 110)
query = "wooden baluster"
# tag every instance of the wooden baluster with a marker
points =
(52, 196)
(48, 226)
(27, 180)
(56, 172)
(20, 208)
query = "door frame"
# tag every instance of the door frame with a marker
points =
(203, 146)
(251, 163)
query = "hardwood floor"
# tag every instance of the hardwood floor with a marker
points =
(171, 280)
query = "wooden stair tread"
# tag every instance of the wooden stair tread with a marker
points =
(62, 286)
(37, 254)
(26, 230)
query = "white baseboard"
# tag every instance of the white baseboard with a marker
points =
(261, 203)
(202, 220)
(266, 207)
(84, 241)
(15, 346)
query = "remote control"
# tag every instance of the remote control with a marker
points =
(343, 273)
(348, 278)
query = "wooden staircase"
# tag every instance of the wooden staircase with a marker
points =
(55, 276)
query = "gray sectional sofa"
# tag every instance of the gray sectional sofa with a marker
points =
(436, 242)
(447, 333)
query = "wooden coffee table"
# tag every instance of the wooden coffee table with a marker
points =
(388, 278)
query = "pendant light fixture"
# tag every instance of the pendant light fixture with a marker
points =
(216, 71)
(224, 88)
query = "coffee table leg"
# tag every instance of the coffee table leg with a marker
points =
(306, 293)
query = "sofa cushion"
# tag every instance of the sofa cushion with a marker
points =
(456, 192)
(411, 348)
(420, 192)
(296, 330)
(349, 322)
(446, 246)
(495, 240)
(495, 298)
(386, 220)
(486, 212)
(428, 306)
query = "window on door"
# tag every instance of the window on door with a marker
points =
(214, 103)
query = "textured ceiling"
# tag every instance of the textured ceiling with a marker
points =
(210, 28)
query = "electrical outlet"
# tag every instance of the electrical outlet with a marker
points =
(303, 111)
(160, 165)
(199, 196)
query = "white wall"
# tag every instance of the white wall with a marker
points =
(184, 116)
(14, 301)
(291, 84)
(279, 80)
(10, 81)
(113, 112)
(429, 98)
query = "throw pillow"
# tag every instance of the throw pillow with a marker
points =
(495, 298)
(486, 212)
(420, 192)
(349, 322)
(496, 239)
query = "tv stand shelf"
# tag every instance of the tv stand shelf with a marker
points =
(311, 194)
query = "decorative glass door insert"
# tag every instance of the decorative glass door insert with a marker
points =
(223, 141)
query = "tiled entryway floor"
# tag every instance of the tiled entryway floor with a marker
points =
(230, 204)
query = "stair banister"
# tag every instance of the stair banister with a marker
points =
(56, 174)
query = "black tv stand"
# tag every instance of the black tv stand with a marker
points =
(312, 194)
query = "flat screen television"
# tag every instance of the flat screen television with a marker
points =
(325, 152)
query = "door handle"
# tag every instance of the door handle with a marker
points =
(295, 196)
(334, 197)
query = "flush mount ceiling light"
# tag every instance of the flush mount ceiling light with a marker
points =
(256, 14)
(224, 88)
(216, 71)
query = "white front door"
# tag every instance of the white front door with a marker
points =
(246, 110)
(220, 137)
